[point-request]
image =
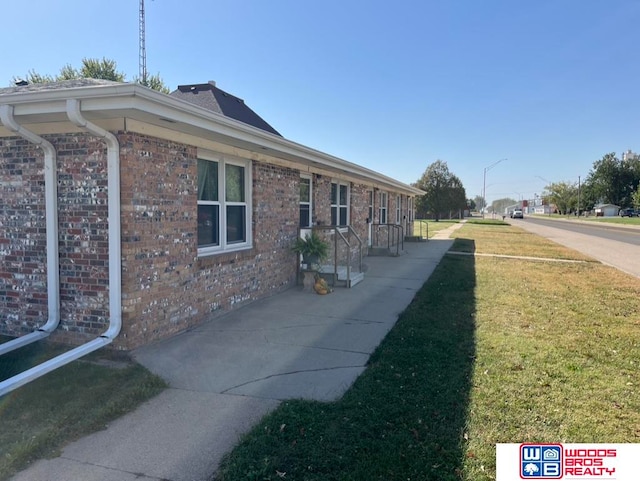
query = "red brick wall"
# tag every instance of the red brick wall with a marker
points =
(360, 211)
(158, 226)
(82, 234)
(322, 200)
(23, 290)
(166, 287)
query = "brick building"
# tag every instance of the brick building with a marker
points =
(122, 205)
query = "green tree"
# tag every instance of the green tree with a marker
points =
(34, 77)
(612, 180)
(105, 69)
(101, 69)
(499, 206)
(154, 82)
(564, 195)
(479, 201)
(444, 192)
(635, 198)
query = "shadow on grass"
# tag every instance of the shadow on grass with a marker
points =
(404, 418)
(26, 357)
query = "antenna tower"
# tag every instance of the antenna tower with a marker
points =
(142, 51)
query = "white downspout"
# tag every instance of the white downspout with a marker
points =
(115, 286)
(51, 220)
(113, 201)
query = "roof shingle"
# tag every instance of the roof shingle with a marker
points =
(212, 98)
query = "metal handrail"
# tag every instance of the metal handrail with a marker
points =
(398, 231)
(422, 224)
(338, 231)
(360, 249)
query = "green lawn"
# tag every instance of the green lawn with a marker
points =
(491, 350)
(422, 227)
(39, 418)
(614, 220)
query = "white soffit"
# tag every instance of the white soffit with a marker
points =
(101, 103)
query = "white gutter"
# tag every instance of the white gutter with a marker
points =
(126, 96)
(51, 216)
(115, 285)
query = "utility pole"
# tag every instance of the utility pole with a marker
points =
(484, 184)
(142, 51)
(578, 196)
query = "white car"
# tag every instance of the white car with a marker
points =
(517, 214)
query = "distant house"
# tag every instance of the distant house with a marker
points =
(606, 210)
(543, 209)
(120, 203)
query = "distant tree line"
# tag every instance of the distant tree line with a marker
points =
(610, 181)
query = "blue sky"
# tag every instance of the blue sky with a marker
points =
(550, 85)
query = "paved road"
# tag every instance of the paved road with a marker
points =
(610, 245)
(626, 234)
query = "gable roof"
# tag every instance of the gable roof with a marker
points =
(212, 98)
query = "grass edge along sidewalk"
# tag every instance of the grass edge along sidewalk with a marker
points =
(40, 418)
(466, 367)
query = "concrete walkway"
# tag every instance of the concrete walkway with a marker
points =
(226, 374)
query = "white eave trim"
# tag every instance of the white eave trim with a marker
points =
(135, 97)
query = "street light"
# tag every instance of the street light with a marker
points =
(484, 184)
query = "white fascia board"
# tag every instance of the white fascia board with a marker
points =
(32, 108)
(274, 144)
(80, 93)
(104, 98)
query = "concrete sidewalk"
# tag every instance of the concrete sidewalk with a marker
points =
(226, 374)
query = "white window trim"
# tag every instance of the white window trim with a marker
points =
(398, 209)
(224, 247)
(383, 207)
(310, 178)
(340, 183)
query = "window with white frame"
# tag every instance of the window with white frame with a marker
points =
(382, 209)
(306, 195)
(410, 208)
(370, 206)
(224, 200)
(339, 203)
(398, 208)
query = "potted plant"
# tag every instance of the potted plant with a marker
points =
(312, 249)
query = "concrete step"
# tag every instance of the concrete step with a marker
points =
(379, 251)
(356, 278)
(385, 252)
(327, 272)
